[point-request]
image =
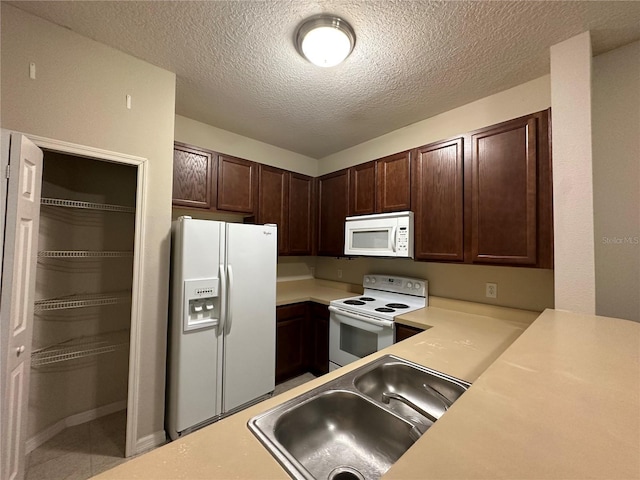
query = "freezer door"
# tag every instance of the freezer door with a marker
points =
(195, 347)
(250, 328)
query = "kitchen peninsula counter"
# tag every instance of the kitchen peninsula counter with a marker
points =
(560, 400)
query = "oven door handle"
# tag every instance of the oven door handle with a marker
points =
(372, 321)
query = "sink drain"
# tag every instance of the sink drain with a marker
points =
(345, 473)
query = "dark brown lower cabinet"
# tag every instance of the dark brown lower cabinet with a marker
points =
(291, 321)
(302, 340)
(405, 331)
(319, 339)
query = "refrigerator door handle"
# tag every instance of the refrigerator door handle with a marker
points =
(223, 300)
(230, 288)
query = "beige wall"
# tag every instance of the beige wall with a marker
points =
(79, 97)
(572, 175)
(524, 288)
(527, 98)
(222, 141)
(616, 181)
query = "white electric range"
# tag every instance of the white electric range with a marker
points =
(364, 324)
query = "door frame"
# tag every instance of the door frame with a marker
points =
(138, 263)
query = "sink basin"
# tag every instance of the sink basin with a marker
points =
(353, 432)
(357, 425)
(413, 391)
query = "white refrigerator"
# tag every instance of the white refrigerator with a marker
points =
(222, 332)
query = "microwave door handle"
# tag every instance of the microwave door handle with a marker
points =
(393, 238)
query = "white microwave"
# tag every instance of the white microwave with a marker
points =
(380, 235)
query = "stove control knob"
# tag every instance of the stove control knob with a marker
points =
(367, 280)
(418, 286)
(410, 285)
(373, 279)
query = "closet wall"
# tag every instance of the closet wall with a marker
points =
(83, 293)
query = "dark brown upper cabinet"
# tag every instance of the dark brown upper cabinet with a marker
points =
(510, 193)
(301, 214)
(362, 189)
(438, 188)
(393, 183)
(192, 177)
(273, 202)
(333, 206)
(286, 199)
(237, 184)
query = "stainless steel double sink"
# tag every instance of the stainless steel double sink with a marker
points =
(358, 425)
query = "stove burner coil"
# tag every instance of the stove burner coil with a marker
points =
(353, 302)
(367, 299)
(397, 305)
(384, 309)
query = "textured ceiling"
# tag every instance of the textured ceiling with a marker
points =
(237, 67)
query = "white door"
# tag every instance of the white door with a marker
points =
(16, 301)
(250, 328)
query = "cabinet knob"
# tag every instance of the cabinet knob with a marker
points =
(20, 350)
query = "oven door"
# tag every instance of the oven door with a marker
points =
(353, 336)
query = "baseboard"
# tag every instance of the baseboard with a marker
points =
(79, 418)
(150, 441)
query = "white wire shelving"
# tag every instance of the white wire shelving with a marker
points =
(80, 348)
(80, 301)
(83, 254)
(59, 202)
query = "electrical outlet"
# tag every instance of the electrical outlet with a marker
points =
(339, 273)
(492, 290)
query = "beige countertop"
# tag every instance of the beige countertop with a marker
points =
(312, 290)
(561, 402)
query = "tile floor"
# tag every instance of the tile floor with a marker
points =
(80, 452)
(294, 382)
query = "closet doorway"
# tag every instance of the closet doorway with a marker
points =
(84, 332)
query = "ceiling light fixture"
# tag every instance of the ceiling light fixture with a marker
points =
(325, 40)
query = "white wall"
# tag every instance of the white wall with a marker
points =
(222, 141)
(616, 181)
(572, 174)
(79, 97)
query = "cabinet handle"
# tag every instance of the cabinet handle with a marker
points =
(20, 350)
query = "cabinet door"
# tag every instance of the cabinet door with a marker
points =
(333, 198)
(237, 184)
(405, 331)
(290, 335)
(393, 183)
(273, 202)
(191, 177)
(438, 201)
(300, 214)
(504, 193)
(319, 336)
(362, 189)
